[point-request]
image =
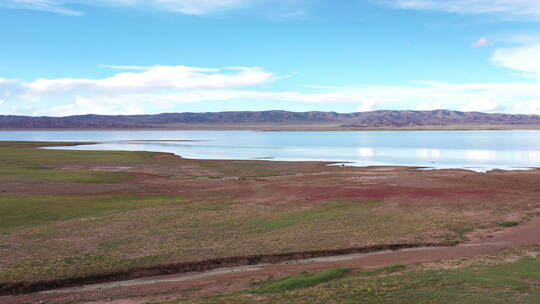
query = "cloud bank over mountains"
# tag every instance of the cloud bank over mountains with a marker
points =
(137, 90)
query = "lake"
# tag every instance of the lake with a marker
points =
(474, 150)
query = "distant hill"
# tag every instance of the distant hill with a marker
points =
(276, 120)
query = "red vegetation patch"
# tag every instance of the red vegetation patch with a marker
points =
(314, 193)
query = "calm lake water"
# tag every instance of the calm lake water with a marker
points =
(475, 150)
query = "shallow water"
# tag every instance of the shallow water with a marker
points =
(476, 150)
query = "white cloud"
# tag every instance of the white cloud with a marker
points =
(1, 102)
(136, 89)
(482, 42)
(191, 7)
(97, 105)
(485, 97)
(532, 106)
(481, 105)
(197, 7)
(529, 8)
(124, 67)
(157, 78)
(366, 106)
(158, 87)
(52, 6)
(515, 97)
(429, 106)
(522, 58)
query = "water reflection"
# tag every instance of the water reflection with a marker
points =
(534, 156)
(429, 153)
(480, 150)
(481, 155)
(366, 152)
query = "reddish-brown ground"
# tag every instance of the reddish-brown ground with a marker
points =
(496, 196)
(302, 182)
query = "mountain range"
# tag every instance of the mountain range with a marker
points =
(278, 120)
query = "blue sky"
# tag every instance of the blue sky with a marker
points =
(65, 57)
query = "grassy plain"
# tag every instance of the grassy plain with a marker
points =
(70, 213)
(19, 212)
(22, 162)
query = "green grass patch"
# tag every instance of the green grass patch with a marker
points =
(246, 170)
(18, 153)
(202, 206)
(385, 270)
(326, 211)
(24, 162)
(67, 266)
(509, 224)
(26, 211)
(35, 173)
(303, 280)
(33, 144)
(507, 283)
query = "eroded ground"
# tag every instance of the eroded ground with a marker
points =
(77, 213)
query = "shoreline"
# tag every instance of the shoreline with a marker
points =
(330, 163)
(289, 128)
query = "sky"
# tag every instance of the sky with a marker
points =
(71, 57)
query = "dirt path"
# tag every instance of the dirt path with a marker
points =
(238, 278)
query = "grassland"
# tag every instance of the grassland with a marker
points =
(109, 233)
(21, 162)
(501, 282)
(70, 213)
(19, 212)
(301, 281)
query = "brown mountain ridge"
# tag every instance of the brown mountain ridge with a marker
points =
(386, 119)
